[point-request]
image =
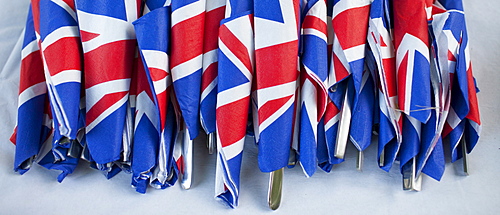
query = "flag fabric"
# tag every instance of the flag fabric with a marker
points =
(146, 132)
(382, 63)
(463, 119)
(214, 13)
(32, 98)
(152, 32)
(236, 63)
(186, 65)
(109, 49)
(331, 118)
(63, 76)
(308, 75)
(413, 71)
(350, 25)
(61, 36)
(276, 50)
(313, 94)
(186, 61)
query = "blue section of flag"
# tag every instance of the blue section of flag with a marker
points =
(274, 152)
(267, 10)
(421, 89)
(145, 152)
(411, 142)
(52, 17)
(307, 146)
(362, 115)
(111, 8)
(29, 32)
(190, 105)
(434, 167)
(176, 4)
(101, 134)
(30, 130)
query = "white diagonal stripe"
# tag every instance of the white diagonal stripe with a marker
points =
(187, 68)
(96, 92)
(233, 94)
(31, 92)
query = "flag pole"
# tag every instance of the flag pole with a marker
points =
(464, 156)
(343, 132)
(211, 138)
(359, 161)
(187, 153)
(275, 188)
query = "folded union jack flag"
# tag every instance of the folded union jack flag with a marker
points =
(109, 49)
(413, 71)
(153, 30)
(214, 13)
(314, 75)
(31, 120)
(236, 63)
(463, 119)
(276, 49)
(383, 63)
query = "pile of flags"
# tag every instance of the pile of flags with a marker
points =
(126, 85)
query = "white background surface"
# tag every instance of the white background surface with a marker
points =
(344, 191)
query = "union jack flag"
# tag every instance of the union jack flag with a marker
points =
(329, 124)
(276, 50)
(63, 76)
(350, 25)
(186, 64)
(153, 30)
(314, 75)
(236, 60)
(146, 133)
(413, 71)
(31, 120)
(383, 62)
(214, 13)
(109, 49)
(463, 119)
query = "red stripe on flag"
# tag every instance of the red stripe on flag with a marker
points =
(109, 62)
(70, 3)
(340, 71)
(235, 46)
(276, 65)
(402, 75)
(157, 74)
(270, 107)
(410, 17)
(473, 105)
(211, 33)
(389, 65)
(35, 7)
(67, 47)
(315, 23)
(229, 115)
(351, 26)
(103, 104)
(31, 71)
(187, 39)
(446, 130)
(87, 36)
(13, 136)
(209, 75)
(331, 111)
(451, 57)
